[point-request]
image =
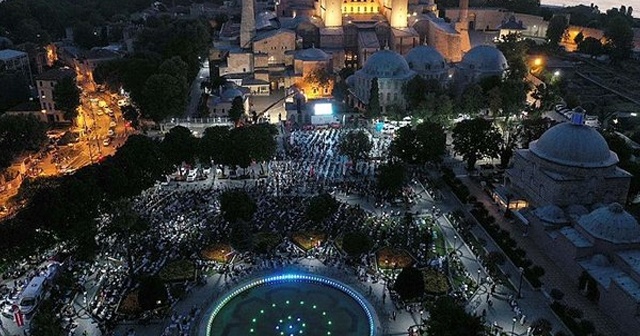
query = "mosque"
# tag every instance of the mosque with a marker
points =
(573, 189)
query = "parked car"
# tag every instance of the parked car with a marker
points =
(106, 142)
(111, 132)
(112, 124)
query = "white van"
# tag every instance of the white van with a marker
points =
(32, 294)
(193, 174)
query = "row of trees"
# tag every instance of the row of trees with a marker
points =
(158, 75)
(19, 134)
(64, 208)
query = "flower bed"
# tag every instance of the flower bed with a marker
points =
(129, 305)
(307, 240)
(435, 282)
(221, 253)
(179, 270)
(388, 257)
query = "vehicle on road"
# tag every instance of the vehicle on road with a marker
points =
(106, 142)
(111, 132)
(33, 294)
(112, 124)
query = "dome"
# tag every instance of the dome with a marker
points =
(231, 93)
(387, 64)
(485, 58)
(312, 54)
(600, 260)
(551, 214)
(425, 58)
(611, 223)
(574, 145)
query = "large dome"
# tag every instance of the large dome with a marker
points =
(312, 54)
(485, 58)
(425, 58)
(574, 145)
(387, 64)
(611, 223)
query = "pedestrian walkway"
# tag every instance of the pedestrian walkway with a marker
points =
(554, 277)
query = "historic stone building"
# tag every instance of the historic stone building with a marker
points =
(570, 164)
(574, 190)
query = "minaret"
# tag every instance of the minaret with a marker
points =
(399, 10)
(333, 13)
(247, 24)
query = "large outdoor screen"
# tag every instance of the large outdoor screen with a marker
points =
(323, 109)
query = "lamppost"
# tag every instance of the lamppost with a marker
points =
(455, 243)
(513, 325)
(479, 276)
(520, 285)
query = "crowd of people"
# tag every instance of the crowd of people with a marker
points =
(184, 218)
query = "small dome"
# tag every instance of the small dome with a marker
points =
(312, 54)
(387, 64)
(574, 145)
(425, 58)
(231, 93)
(485, 58)
(551, 214)
(611, 223)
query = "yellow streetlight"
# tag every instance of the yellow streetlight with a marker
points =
(537, 61)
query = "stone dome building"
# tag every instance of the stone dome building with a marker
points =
(428, 63)
(392, 72)
(570, 164)
(480, 62)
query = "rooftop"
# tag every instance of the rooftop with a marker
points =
(10, 53)
(56, 74)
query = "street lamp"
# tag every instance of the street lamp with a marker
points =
(520, 285)
(479, 276)
(513, 325)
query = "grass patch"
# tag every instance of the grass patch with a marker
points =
(179, 270)
(220, 253)
(307, 240)
(388, 257)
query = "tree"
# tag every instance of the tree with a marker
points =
(19, 134)
(426, 143)
(214, 144)
(410, 284)
(414, 90)
(241, 237)
(471, 101)
(591, 46)
(356, 145)
(175, 67)
(237, 205)
(67, 97)
(46, 321)
(556, 30)
(237, 109)
(131, 114)
(531, 129)
(515, 50)
(619, 35)
(447, 318)
(321, 207)
(14, 88)
(391, 178)
(319, 78)
(356, 243)
(374, 110)
(150, 292)
(431, 142)
(127, 226)
(85, 35)
(163, 96)
(179, 145)
(475, 139)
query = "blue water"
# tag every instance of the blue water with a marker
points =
(291, 308)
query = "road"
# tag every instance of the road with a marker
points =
(195, 92)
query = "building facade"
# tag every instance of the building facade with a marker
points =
(45, 84)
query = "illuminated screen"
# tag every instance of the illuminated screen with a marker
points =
(323, 109)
